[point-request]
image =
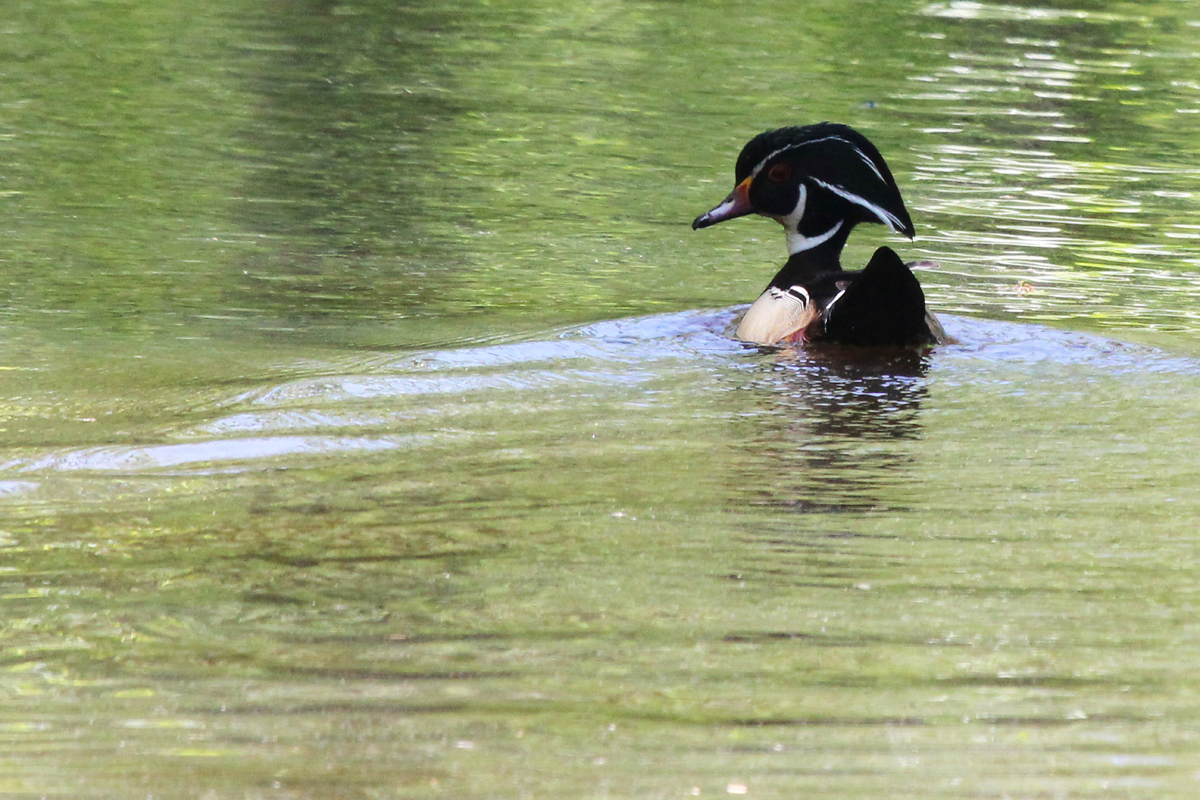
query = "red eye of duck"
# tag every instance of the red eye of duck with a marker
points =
(780, 172)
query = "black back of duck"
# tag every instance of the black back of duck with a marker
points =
(882, 306)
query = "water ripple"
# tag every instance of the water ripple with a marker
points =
(364, 412)
(212, 452)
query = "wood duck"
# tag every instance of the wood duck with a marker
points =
(819, 181)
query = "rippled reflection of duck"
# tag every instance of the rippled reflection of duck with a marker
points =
(819, 181)
(835, 429)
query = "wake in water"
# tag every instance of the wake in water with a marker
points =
(386, 402)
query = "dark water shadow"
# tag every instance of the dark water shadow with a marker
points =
(855, 392)
(836, 432)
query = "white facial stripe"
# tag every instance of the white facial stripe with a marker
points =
(798, 243)
(849, 144)
(870, 163)
(792, 220)
(885, 216)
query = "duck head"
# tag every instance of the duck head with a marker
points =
(818, 181)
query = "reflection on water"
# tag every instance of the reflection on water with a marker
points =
(598, 532)
(834, 411)
(857, 392)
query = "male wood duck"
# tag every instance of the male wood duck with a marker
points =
(819, 181)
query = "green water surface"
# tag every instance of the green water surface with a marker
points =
(371, 427)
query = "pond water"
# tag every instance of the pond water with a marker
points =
(372, 426)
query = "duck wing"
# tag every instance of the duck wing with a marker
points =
(882, 306)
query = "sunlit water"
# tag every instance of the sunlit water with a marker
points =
(373, 428)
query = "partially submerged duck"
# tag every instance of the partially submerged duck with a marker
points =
(819, 181)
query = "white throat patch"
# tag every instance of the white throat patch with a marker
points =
(798, 242)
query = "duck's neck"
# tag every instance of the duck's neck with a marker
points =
(805, 265)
